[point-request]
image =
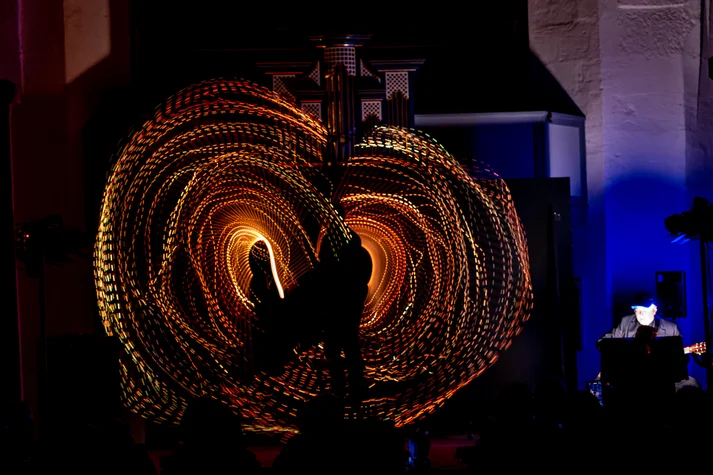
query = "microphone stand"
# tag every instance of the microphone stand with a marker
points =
(706, 359)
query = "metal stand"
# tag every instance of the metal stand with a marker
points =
(707, 359)
(10, 365)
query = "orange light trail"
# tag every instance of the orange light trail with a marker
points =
(225, 163)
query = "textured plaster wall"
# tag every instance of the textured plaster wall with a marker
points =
(699, 158)
(634, 67)
(564, 35)
(699, 112)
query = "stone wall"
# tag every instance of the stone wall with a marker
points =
(636, 69)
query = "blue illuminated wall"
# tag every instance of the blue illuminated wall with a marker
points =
(648, 183)
(618, 237)
(639, 71)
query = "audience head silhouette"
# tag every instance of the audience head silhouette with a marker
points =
(209, 421)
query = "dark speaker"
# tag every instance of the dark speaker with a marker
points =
(82, 381)
(671, 294)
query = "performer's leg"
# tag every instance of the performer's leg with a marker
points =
(354, 366)
(335, 365)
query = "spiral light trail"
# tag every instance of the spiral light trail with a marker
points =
(224, 164)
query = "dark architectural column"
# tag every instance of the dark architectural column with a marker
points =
(340, 113)
(9, 331)
(347, 90)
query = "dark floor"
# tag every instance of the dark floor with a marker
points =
(442, 455)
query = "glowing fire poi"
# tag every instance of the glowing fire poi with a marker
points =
(223, 164)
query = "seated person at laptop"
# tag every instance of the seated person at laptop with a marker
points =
(644, 315)
(643, 324)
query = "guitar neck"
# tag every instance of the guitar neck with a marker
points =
(698, 348)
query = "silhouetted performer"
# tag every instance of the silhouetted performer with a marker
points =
(345, 286)
(282, 323)
(269, 338)
(328, 303)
